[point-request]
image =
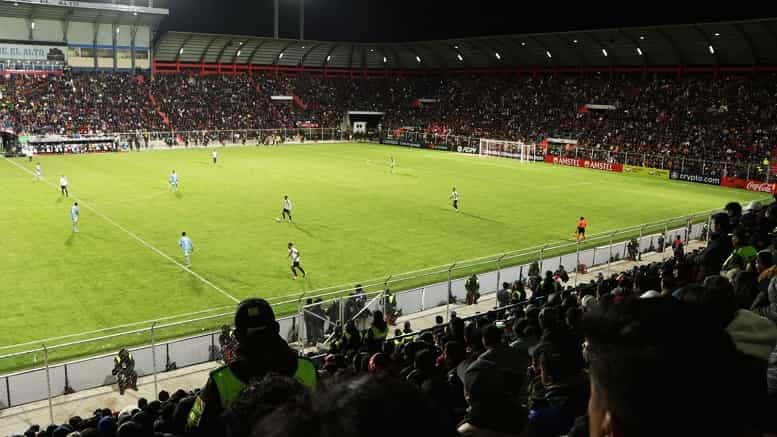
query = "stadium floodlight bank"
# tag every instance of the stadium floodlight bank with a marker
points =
(510, 149)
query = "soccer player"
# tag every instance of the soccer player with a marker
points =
(38, 172)
(393, 163)
(174, 181)
(581, 225)
(74, 214)
(455, 198)
(286, 208)
(185, 243)
(215, 156)
(63, 186)
(294, 255)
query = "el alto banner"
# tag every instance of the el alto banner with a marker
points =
(749, 185)
(585, 163)
(694, 177)
(645, 171)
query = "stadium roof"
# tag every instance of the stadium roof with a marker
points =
(752, 42)
(80, 11)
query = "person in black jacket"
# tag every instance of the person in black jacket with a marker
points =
(260, 351)
(718, 249)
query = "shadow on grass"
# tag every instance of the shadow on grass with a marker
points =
(195, 285)
(407, 175)
(178, 195)
(70, 239)
(474, 216)
(94, 237)
(303, 230)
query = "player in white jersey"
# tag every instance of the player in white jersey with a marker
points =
(455, 199)
(75, 213)
(63, 186)
(215, 156)
(393, 163)
(295, 258)
(38, 172)
(286, 208)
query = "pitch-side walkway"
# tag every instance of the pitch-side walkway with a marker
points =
(16, 420)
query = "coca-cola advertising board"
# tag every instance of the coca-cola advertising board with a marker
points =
(585, 163)
(749, 185)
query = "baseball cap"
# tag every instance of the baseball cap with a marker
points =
(254, 317)
(483, 379)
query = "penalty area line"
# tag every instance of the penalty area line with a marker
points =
(137, 238)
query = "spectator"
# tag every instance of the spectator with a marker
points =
(259, 399)
(493, 412)
(260, 350)
(375, 406)
(653, 355)
(565, 396)
(510, 361)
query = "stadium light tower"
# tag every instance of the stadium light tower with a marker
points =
(301, 20)
(275, 18)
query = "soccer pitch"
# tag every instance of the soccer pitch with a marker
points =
(353, 220)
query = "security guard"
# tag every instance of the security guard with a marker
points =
(260, 350)
(124, 371)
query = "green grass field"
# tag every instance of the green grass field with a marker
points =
(353, 221)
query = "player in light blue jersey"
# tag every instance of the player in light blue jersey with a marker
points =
(74, 214)
(174, 181)
(185, 243)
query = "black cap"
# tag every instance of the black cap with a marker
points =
(254, 317)
(483, 379)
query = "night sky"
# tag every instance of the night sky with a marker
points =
(413, 20)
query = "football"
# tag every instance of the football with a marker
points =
(277, 219)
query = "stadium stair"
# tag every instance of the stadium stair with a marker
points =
(162, 115)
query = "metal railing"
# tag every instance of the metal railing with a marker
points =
(163, 344)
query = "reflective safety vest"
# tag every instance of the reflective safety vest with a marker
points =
(117, 359)
(377, 334)
(229, 385)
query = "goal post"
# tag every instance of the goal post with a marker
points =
(509, 149)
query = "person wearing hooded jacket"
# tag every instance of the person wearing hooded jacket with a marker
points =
(492, 412)
(718, 249)
(260, 350)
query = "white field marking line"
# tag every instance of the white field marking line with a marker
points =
(138, 239)
(111, 328)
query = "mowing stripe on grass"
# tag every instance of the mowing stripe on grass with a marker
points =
(136, 238)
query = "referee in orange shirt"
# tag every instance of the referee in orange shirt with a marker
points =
(581, 225)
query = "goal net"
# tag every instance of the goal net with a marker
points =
(509, 149)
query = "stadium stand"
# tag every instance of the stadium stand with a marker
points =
(638, 344)
(724, 119)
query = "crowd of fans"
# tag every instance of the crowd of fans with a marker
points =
(77, 104)
(683, 347)
(725, 119)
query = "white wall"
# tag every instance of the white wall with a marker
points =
(80, 34)
(48, 30)
(14, 28)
